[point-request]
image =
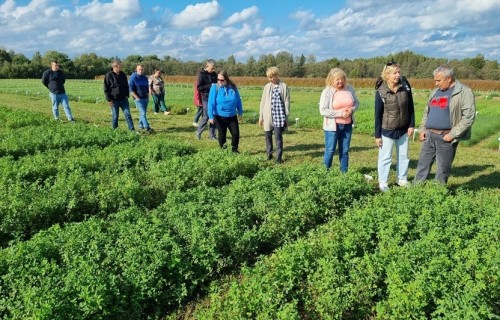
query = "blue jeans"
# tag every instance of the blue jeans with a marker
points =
(436, 149)
(60, 98)
(385, 158)
(142, 106)
(343, 137)
(115, 111)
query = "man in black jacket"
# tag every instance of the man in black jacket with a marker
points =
(116, 91)
(54, 79)
(206, 78)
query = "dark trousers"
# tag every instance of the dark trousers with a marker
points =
(231, 123)
(204, 121)
(278, 136)
(436, 149)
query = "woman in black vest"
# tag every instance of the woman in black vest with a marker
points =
(394, 123)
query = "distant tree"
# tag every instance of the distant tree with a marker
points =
(64, 62)
(89, 65)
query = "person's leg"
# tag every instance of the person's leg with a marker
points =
(278, 135)
(115, 111)
(269, 144)
(67, 109)
(403, 160)
(221, 123)
(426, 157)
(156, 103)
(204, 119)
(126, 112)
(161, 99)
(142, 105)
(330, 143)
(384, 161)
(344, 144)
(198, 114)
(55, 104)
(234, 129)
(445, 154)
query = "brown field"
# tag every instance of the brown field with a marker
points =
(479, 85)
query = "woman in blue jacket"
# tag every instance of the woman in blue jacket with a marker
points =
(225, 109)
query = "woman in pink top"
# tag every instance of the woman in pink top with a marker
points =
(337, 104)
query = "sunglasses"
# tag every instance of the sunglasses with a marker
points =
(391, 63)
(221, 80)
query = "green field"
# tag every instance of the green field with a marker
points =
(98, 223)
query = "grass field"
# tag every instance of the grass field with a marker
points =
(476, 165)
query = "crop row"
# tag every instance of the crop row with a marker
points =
(139, 264)
(407, 254)
(73, 188)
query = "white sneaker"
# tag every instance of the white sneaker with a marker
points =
(383, 186)
(403, 183)
(195, 124)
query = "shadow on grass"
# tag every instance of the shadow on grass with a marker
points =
(487, 180)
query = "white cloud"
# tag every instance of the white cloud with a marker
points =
(109, 12)
(243, 16)
(196, 15)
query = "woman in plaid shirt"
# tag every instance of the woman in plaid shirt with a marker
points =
(274, 111)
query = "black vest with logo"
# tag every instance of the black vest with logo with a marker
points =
(396, 111)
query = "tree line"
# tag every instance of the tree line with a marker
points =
(89, 65)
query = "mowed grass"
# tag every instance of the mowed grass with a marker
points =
(476, 165)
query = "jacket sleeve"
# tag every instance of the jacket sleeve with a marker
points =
(411, 110)
(468, 113)
(239, 104)
(45, 79)
(286, 99)
(379, 112)
(106, 87)
(212, 100)
(355, 98)
(131, 84)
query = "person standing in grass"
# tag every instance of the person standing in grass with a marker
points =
(206, 78)
(274, 111)
(337, 104)
(139, 89)
(447, 119)
(394, 123)
(197, 101)
(117, 92)
(225, 110)
(54, 79)
(157, 92)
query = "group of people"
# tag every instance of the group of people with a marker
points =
(117, 89)
(220, 108)
(447, 118)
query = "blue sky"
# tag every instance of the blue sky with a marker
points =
(190, 30)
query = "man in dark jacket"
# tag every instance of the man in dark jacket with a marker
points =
(116, 90)
(54, 79)
(206, 78)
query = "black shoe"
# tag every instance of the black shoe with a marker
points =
(269, 156)
(279, 161)
(236, 151)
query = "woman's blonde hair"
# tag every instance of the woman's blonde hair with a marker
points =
(335, 73)
(388, 69)
(272, 71)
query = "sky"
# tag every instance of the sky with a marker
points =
(195, 31)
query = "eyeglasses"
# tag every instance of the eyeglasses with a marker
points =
(221, 80)
(390, 63)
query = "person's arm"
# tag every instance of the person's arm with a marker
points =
(262, 104)
(468, 114)
(107, 90)
(45, 79)
(212, 100)
(411, 111)
(239, 104)
(133, 87)
(379, 112)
